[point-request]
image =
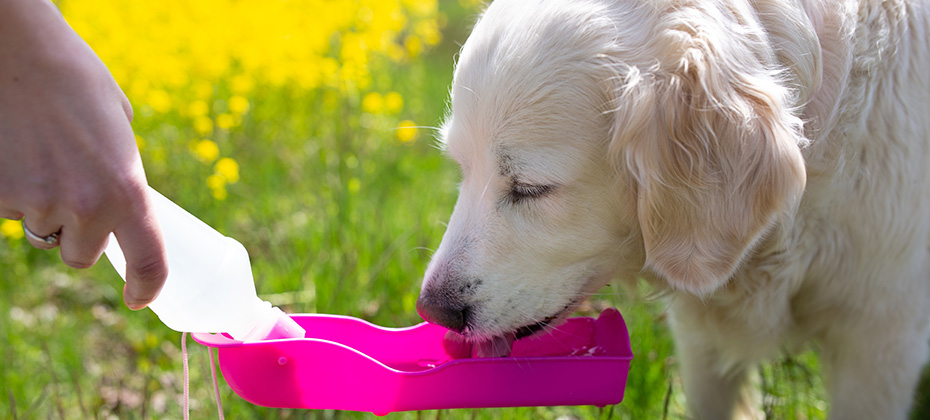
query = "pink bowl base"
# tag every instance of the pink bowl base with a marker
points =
(345, 363)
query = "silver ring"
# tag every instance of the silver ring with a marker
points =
(51, 239)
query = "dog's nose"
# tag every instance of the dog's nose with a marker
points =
(436, 311)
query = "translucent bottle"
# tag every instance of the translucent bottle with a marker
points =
(209, 286)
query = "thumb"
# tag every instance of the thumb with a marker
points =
(141, 240)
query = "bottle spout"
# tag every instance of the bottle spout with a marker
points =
(285, 327)
(272, 324)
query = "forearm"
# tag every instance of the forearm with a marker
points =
(35, 38)
(22, 22)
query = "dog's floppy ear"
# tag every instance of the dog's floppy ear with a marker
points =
(714, 154)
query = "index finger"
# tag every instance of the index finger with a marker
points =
(141, 241)
(8, 213)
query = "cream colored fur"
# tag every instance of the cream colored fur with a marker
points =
(767, 162)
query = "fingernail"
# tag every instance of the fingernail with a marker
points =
(136, 306)
(133, 304)
(130, 301)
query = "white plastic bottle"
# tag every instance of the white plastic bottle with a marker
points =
(209, 286)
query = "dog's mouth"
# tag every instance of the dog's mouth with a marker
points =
(531, 329)
(462, 346)
(538, 326)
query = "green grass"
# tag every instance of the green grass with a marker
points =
(72, 350)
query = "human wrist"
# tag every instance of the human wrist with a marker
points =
(20, 18)
(34, 30)
(36, 43)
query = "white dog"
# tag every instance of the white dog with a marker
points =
(768, 162)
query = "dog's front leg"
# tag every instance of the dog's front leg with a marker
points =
(715, 388)
(872, 368)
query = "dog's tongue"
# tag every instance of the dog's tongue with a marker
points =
(496, 347)
(457, 347)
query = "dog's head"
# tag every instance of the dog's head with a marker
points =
(595, 141)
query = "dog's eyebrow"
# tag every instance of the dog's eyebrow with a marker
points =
(513, 168)
(507, 166)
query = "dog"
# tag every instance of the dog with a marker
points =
(765, 164)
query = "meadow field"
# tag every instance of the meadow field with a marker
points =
(304, 129)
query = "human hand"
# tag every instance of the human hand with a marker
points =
(68, 157)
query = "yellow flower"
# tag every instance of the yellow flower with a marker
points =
(206, 151)
(217, 185)
(414, 46)
(225, 121)
(152, 52)
(12, 229)
(198, 108)
(219, 193)
(203, 90)
(428, 7)
(372, 103)
(238, 105)
(160, 101)
(393, 103)
(242, 84)
(396, 53)
(228, 168)
(329, 69)
(203, 125)
(216, 181)
(407, 132)
(428, 31)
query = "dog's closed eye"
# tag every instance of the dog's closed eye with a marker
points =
(520, 191)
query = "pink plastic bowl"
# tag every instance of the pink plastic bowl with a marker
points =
(346, 363)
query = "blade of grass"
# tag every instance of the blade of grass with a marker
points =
(51, 369)
(13, 405)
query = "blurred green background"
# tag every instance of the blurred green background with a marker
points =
(304, 129)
